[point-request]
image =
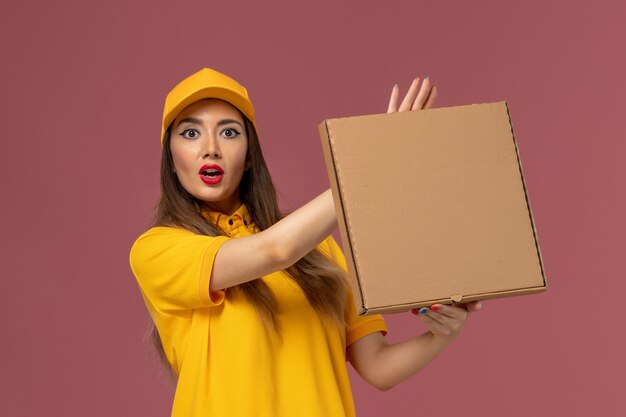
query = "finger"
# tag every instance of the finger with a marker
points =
(426, 312)
(474, 306)
(422, 95)
(437, 327)
(433, 324)
(410, 96)
(453, 312)
(393, 100)
(442, 319)
(430, 101)
(447, 321)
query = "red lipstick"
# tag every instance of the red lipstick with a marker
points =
(211, 173)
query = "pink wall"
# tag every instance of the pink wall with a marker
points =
(83, 87)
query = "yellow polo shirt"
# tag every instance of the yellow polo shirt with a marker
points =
(227, 363)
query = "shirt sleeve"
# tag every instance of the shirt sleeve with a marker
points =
(173, 268)
(358, 326)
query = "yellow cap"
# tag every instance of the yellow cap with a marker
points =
(206, 83)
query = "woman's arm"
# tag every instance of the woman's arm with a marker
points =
(385, 365)
(278, 247)
(284, 243)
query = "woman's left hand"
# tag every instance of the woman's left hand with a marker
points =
(446, 321)
(415, 99)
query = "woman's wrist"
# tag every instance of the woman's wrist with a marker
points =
(442, 340)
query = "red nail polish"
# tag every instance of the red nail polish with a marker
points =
(415, 312)
(435, 308)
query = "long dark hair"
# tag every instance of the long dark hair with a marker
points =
(322, 280)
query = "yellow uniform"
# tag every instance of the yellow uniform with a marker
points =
(227, 363)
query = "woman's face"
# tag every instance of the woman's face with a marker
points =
(210, 132)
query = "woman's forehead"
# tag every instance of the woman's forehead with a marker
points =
(208, 107)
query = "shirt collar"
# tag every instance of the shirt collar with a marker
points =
(241, 217)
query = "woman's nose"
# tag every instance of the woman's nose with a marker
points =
(212, 148)
(214, 154)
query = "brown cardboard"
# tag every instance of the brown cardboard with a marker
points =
(432, 207)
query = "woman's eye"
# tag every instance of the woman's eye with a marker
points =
(230, 132)
(193, 133)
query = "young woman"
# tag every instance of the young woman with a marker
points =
(251, 308)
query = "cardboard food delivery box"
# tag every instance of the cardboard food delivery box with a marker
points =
(432, 207)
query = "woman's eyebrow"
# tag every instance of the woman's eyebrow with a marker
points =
(195, 120)
(227, 121)
(192, 120)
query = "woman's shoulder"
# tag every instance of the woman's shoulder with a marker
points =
(161, 234)
(168, 243)
(161, 230)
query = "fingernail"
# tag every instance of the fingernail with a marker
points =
(435, 308)
(395, 86)
(414, 311)
(424, 310)
(426, 77)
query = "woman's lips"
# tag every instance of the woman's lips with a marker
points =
(212, 179)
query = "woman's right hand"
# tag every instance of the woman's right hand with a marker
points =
(415, 99)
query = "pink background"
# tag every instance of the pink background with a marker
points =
(82, 96)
